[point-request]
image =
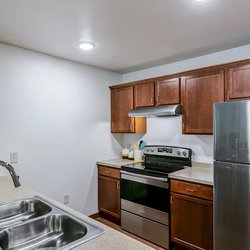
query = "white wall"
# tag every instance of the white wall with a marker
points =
(239, 53)
(56, 115)
(168, 130)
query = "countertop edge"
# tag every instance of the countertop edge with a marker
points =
(204, 182)
(114, 163)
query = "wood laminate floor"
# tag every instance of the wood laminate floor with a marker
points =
(118, 228)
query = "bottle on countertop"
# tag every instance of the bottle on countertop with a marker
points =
(125, 152)
(131, 155)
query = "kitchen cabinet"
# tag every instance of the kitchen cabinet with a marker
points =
(199, 92)
(238, 82)
(167, 91)
(109, 193)
(191, 215)
(144, 94)
(122, 101)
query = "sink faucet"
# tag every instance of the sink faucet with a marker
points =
(12, 172)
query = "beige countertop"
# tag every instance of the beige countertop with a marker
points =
(199, 173)
(115, 163)
(111, 239)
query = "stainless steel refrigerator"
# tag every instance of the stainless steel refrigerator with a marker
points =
(232, 176)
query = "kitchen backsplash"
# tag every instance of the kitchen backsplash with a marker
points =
(168, 131)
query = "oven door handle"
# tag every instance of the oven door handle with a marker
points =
(150, 180)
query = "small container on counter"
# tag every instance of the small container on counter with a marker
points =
(131, 155)
(137, 155)
(125, 152)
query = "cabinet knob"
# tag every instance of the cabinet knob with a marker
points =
(106, 172)
(118, 185)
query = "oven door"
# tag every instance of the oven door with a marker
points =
(146, 196)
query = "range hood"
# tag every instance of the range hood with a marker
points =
(160, 111)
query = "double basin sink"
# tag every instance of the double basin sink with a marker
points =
(37, 224)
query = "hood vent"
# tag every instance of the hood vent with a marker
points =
(160, 111)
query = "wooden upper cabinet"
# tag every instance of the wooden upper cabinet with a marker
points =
(144, 94)
(121, 104)
(122, 101)
(238, 82)
(167, 91)
(199, 92)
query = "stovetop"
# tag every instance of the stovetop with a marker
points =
(161, 160)
(140, 168)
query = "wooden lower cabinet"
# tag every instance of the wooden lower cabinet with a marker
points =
(191, 219)
(109, 193)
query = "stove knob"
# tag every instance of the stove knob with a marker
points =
(184, 153)
(178, 152)
(152, 150)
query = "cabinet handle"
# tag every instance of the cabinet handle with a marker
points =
(106, 172)
(152, 99)
(190, 190)
(171, 200)
(157, 99)
(118, 185)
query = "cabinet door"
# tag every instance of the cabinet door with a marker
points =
(109, 196)
(238, 82)
(121, 104)
(144, 95)
(191, 222)
(199, 93)
(167, 91)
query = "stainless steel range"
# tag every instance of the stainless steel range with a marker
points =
(145, 196)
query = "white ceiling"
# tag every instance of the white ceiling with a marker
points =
(129, 34)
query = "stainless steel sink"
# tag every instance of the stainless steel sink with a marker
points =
(53, 229)
(16, 212)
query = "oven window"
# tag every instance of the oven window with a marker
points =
(145, 194)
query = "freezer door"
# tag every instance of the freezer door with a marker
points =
(232, 131)
(231, 206)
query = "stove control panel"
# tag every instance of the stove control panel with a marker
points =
(167, 151)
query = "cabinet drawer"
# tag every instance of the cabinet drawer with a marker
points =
(191, 189)
(110, 172)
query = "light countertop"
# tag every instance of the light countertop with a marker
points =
(115, 163)
(111, 239)
(199, 173)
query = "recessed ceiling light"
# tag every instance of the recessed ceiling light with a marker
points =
(86, 45)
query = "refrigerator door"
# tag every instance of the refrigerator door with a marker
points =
(232, 131)
(231, 206)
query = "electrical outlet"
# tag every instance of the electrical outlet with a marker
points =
(13, 157)
(66, 199)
